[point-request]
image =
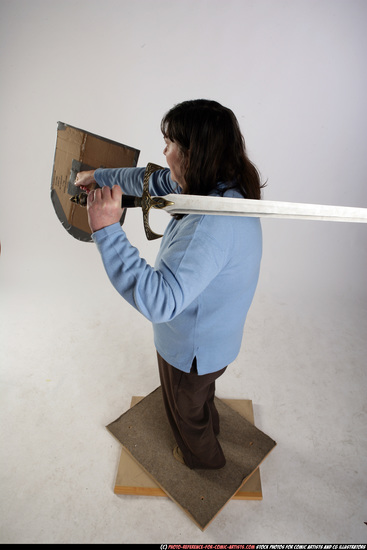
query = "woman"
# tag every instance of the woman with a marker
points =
(198, 294)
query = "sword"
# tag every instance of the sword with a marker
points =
(227, 206)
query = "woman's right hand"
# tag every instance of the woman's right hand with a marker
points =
(85, 180)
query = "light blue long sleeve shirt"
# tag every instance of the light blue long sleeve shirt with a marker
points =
(200, 289)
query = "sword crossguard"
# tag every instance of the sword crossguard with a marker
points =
(146, 202)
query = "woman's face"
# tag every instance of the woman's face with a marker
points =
(175, 161)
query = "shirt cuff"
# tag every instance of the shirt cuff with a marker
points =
(98, 175)
(101, 234)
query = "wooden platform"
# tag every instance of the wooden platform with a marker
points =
(131, 479)
(147, 466)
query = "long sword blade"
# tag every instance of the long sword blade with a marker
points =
(226, 206)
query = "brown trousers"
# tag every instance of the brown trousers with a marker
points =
(189, 403)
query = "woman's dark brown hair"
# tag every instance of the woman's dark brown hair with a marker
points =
(213, 148)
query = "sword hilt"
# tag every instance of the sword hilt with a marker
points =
(146, 202)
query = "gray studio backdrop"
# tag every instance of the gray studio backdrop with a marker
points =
(293, 73)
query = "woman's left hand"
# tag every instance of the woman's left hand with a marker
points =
(104, 207)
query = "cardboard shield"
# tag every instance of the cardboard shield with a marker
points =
(78, 150)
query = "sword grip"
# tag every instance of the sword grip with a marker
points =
(129, 201)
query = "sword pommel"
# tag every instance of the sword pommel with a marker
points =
(80, 199)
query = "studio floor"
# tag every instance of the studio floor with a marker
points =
(69, 366)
